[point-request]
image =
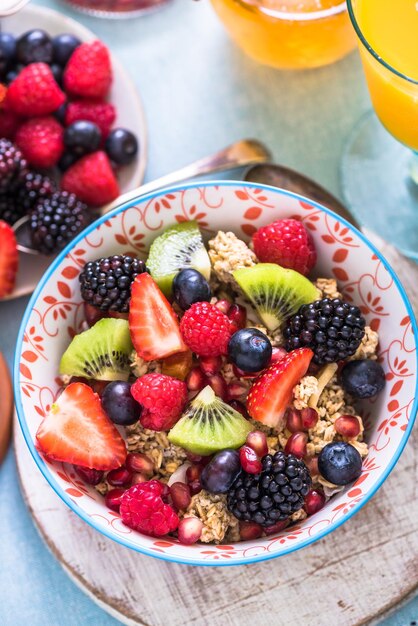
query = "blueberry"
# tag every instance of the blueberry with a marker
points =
(363, 379)
(121, 146)
(82, 137)
(67, 160)
(63, 47)
(35, 46)
(119, 404)
(7, 51)
(59, 114)
(219, 474)
(339, 463)
(250, 350)
(189, 286)
(57, 73)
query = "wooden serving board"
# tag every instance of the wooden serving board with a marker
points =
(356, 575)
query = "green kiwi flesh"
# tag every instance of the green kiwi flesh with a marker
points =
(101, 353)
(208, 425)
(275, 292)
(179, 246)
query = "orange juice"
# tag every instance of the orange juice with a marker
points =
(390, 27)
(289, 34)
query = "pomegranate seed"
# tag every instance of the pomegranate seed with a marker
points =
(293, 420)
(112, 499)
(219, 386)
(241, 374)
(189, 530)
(277, 354)
(348, 426)
(138, 478)
(236, 390)
(90, 476)
(194, 458)
(314, 501)
(92, 314)
(250, 530)
(311, 463)
(309, 418)
(138, 462)
(210, 364)
(249, 460)
(99, 386)
(238, 316)
(240, 407)
(196, 379)
(180, 496)
(296, 445)
(120, 477)
(193, 473)
(118, 315)
(258, 442)
(276, 528)
(223, 305)
(195, 487)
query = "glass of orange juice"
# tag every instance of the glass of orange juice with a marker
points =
(289, 34)
(380, 164)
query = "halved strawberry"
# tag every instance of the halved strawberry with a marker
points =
(78, 431)
(271, 393)
(9, 259)
(153, 324)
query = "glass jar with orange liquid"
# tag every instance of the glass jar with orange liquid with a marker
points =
(289, 34)
(379, 174)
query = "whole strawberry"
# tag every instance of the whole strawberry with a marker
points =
(206, 330)
(163, 399)
(142, 508)
(92, 179)
(287, 243)
(101, 113)
(41, 141)
(88, 73)
(34, 91)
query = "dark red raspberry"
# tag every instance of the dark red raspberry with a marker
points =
(88, 73)
(205, 329)
(34, 92)
(142, 508)
(287, 243)
(101, 113)
(163, 399)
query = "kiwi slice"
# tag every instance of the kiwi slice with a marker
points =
(276, 292)
(209, 425)
(178, 247)
(101, 353)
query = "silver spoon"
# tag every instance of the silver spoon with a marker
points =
(239, 154)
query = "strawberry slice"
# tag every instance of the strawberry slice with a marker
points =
(153, 324)
(78, 431)
(271, 393)
(9, 259)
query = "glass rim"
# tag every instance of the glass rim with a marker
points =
(300, 17)
(370, 49)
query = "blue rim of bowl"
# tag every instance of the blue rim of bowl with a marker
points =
(122, 540)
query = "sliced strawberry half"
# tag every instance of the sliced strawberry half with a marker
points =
(78, 431)
(154, 326)
(9, 259)
(271, 393)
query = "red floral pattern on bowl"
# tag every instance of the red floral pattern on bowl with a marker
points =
(55, 314)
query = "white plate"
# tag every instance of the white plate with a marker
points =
(123, 95)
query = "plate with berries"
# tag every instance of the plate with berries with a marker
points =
(68, 147)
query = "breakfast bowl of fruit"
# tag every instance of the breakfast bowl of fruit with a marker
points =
(217, 373)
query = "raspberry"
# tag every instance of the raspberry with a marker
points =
(101, 113)
(41, 141)
(287, 243)
(34, 91)
(88, 73)
(163, 399)
(92, 179)
(206, 330)
(142, 508)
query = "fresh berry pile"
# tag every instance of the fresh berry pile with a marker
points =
(229, 410)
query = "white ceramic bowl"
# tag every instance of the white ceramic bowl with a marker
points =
(55, 312)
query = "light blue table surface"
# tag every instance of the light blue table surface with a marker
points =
(200, 93)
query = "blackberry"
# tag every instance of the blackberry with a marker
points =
(333, 329)
(12, 166)
(274, 494)
(33, 188)
(106, 283)
(57, 219)
(10, 210)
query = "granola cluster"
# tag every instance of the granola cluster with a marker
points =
(211, 509)
(227, 254)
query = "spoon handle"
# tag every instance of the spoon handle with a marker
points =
(238, 154)
(6, 406)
